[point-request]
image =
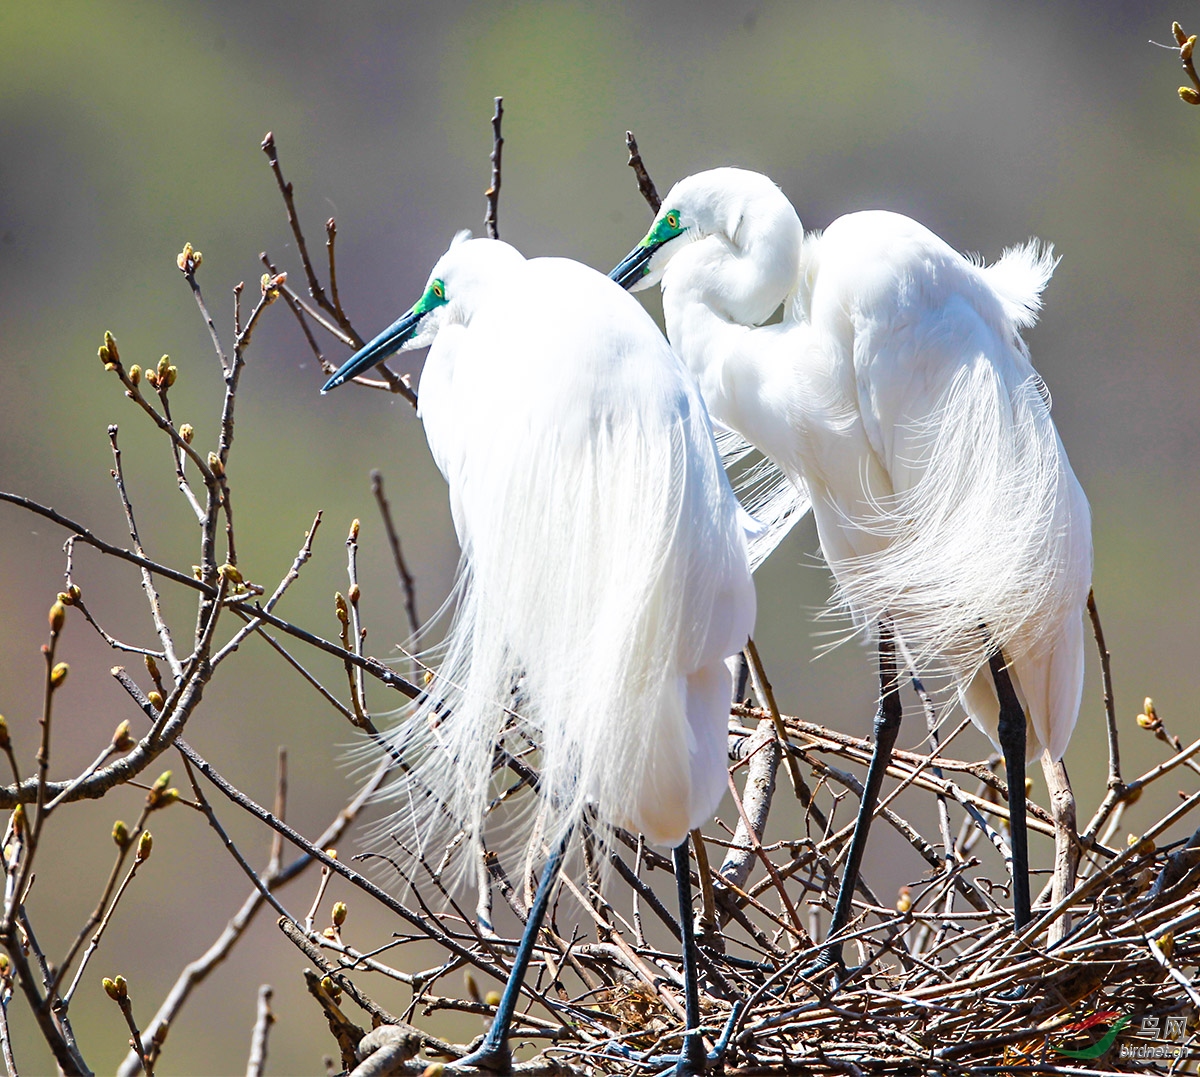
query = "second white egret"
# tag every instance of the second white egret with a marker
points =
(898, 394)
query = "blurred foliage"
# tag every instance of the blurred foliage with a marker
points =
(126, 129)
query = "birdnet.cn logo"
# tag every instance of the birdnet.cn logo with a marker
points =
(1151, 1038)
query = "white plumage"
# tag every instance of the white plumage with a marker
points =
(898, 394)
(604, 576)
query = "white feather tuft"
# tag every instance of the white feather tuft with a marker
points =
(1019, 278)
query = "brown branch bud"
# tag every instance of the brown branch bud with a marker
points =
(1185, 50)
(1189, 96)
(120, 834)
(215, 465)
(152, 666)
(122, 738)
(339, 913)
(59, 674)
(339, 604)
(354, 527)
(1180, 36)
(145, 844)
(110, 343)
(135, 374)
(187, 432)
(354, 593)
(156, 699)
(5, 739)
(18, 819)
(116, 989)
(231, 573)
(434, 1069)
(57, 617)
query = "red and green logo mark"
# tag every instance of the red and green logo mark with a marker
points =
(1102, 1045)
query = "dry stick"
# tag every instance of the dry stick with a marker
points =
(253, 624)
(263, 1021)
(707, 921)
(197, 971)
(766, 696)
(66, 1054)
(330, 237)
(310, 948)
(762, 751)
(357, 686)
(160, 625)
(177, 457)
(943, 808)
(644, 182)
(1066, 842)
(493, 191)
(797, 928)
(314, 285)
(123, 1000)
(10, 1062)
(248, 805)
(83, 534)
(33, 828)
(346, 330)
(1117, 791)
(406, 579)
(138, 861)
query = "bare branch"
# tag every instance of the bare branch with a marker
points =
(645, 184)
(493, 191)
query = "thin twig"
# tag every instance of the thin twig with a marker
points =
(406, 579)
(645, 184)
(263, 1021)
(493, 191)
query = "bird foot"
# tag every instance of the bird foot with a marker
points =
(829, 963)
(489, 1057)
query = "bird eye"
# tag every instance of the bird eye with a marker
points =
(439, 290)
(672, 220)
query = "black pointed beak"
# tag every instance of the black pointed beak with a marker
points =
(634, 266)
(391, 340)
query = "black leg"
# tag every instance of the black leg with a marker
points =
(493, 1054)
(692, 1056)
(1012, 744)
(887, 726)
(742, 679)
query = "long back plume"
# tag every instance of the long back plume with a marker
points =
(603, 567)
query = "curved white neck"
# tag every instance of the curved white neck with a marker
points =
(744, 372)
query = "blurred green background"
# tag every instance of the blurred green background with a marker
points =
(126, 129)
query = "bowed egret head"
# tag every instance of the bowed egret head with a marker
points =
(460, 277)
(747, 242)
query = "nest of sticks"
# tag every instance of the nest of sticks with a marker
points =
(937, 980)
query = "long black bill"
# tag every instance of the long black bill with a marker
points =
(634, 265)
(389, 341)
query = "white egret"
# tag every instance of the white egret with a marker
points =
(604, 572)
(898, 394)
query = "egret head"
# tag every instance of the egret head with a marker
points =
(454, 285)
(749, 238)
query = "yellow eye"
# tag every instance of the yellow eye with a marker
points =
(438, 290)
(672, 220)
